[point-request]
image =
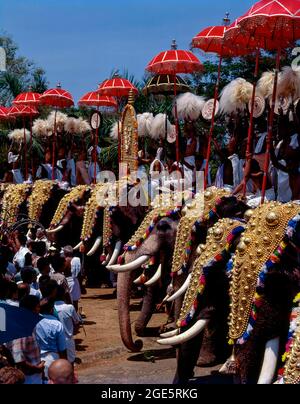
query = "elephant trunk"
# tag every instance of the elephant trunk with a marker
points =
(123, 295)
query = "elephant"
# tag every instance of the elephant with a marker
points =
(265, 278)
(66, 223)
(206, 302)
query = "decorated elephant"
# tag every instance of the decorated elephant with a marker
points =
(206, 302)
(66, 223)
(265, 279)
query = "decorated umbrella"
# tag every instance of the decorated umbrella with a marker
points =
(30, 99)
(248, 40)
(278, 21)
(117, 87)
(58, 98)
(23, 111)
(174, 62)
(164, 84)
(94, 99)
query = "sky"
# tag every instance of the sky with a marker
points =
(80, 42)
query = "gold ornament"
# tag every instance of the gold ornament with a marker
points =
(14, 196)
(41, 192)
(292, 367)
(224, 227)
(129, 138)
(265, 231)
(73, 196)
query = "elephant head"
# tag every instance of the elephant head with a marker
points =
(265, 280)
(67, 220)
(152, 247)
(206, 302)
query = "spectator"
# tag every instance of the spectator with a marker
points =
(23, 290)
(43, 265)
(12, 295)
(48, 287)
(59, 265)
(28, 275)
(19, 259)
(70, 321)
(73, 271)
(50, 336)
(25, 351)
(61, 372)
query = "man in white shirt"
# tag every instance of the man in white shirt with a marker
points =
(22, 251)
(70, 320)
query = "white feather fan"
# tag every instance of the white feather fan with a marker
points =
(158, 127)
(114, 131)
(71, 126)
(83, 126)
(17, 135)
(189, 106)
(235, 96)
(265, 84)
(40, 128)
(145, 121)
(61, 120)
(289, 83)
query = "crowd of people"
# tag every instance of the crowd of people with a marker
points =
(36, 276)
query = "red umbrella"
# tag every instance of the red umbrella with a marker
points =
(58, 98)
(23, 111)
(94, 99)
(30, 99)
(279, 21)
(174, 62)
(117, 87)
(3, 113)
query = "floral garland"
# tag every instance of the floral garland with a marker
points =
(222, 257)
(272, 261)
(156, 219)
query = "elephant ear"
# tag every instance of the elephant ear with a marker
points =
(41, 193)
(217, 248)
(261, 248)
(14, 196)
(73, 196)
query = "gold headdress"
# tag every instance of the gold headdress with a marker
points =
(265, 232)
(14, 196)
(74, 195)
(129, 138)
(41, 192)
(197, 209)
(216, 243)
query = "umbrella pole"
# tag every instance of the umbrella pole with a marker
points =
(212, 126)
(270, 129)
(31, 147)
(25, 150)
(250, 129)
(95, 148)
(176, 121)
(53, 146)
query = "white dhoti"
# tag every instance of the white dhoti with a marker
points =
(255, 200)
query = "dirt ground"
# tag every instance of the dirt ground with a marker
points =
(102, 358)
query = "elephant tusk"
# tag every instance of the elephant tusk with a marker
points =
(131, 266)
(95, 246)
(155, 277)
(182, 290)
(58, 229)
(115, 254)
(139, 280)
(186, 336)
(77, 247)
(270, 362)
(170, 333)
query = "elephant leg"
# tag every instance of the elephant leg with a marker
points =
(148, 308)
(187, 355)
